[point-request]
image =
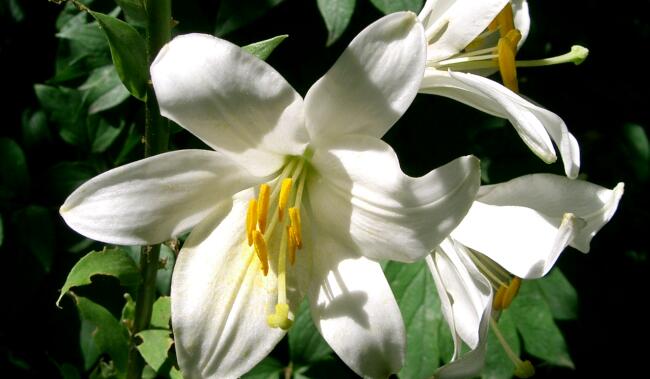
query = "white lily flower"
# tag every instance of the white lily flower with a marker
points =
(514, 228)
(470, 38)
(298, 198)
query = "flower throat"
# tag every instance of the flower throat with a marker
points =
(282, 203)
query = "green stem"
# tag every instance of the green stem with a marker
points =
(156, 137)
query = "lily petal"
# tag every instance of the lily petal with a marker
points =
(521, 17)
(372, 83)
(204, 84)
(151, 200)
(466, 292)
(220, 299)
(450, 25)
(364, 200)
(554, 195)
(533, 123)
(354, 309)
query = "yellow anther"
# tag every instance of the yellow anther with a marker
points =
(262, 250)
(498, 298)
(511, 292)
(251, 220)
(507, 66)
(524, 369)
(504, 21)
(291, 246)
(294, 215)
(285, 191)
(280, 319)
(263, 206)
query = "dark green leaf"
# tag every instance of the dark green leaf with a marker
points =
(88, 36)
(416, 295)
(103, 89)
(128, 52)
(35, 130)
(68, 371)
(497, 363)
(306, 345)
(36, 232)
(14, 175)
(108, 333)
(16, 10)
(637, 149)
(113, 262)
(154, 346)
(337, 15)
(161, 313)
(233, 14)
(133, 140)
(390, 6)
(263, 49)
(559, 294)
(133, 11)
(268, 368)
(89, 350)
(65, 106)
(534, 321)
(2, 231)
(65, 177)
(102, 134)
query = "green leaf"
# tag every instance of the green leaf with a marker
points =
(497, 363)
(128, 311)
(112, 262)
(134, 11)
(263, 49)
(233, 14)
(129, 53)
(108, 333)
(103, 89)
(534, 321)
(337, 15)
(35, 130)
(35, 230)
(14, 175)
(306, 345)
(66, 107)
(133, 140)
(68, 371)
(88, 36)
(89, 350)
(559, 294)
(102, 134)
(268, 368)
(164, 274)
(638, 149)
(418, 300)
(174, 373)
(161, 313)
(390, 6)
(65, 177)
(154, 346)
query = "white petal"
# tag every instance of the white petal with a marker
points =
(353, 307)
(220, 299)
(533, 123)
(522, 19)
(466, 291)
(231, 100)
(373, 82)
(553, 196)
(520, 239)
(450, 25)
(362, 197)
(151, 200)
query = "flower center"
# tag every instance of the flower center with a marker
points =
(489, 51)
(277, 208)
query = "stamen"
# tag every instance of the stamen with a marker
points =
(577, 55)
(498, 298)
(294, 215)
(263, 206)
(511, 292)
(251, 220)
(504, 21)
(285, 191)
(280, 319)
(523, 369)
(506, 51)
(262, 250)
(291, 248)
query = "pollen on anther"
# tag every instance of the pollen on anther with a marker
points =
(285, 191)
(262, 250)
(497, 302)
(263, 206)
(251, 220)
(511, 292)
(294, 215)
(291, 244)
(507, 66)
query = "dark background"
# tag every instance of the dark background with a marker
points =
(598, 100)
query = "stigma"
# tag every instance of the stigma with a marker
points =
(274, 231)
(496, 49)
